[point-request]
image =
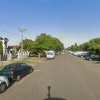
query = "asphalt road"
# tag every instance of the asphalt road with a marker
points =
(67, 77)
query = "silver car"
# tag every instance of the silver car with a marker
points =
(4, 83)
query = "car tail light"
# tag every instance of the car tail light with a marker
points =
(11, 73)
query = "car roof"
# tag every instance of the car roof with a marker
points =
(15, 64)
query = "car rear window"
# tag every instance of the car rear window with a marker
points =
(8, 67)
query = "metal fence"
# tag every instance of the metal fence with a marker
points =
(10, 56)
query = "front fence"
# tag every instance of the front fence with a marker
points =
(10, 56)
(3, 57)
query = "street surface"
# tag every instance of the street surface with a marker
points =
(66, 77)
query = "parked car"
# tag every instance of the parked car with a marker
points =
(16, 71)
(82, 54)
(90, 57)
(70, 52)
(4, 83)
(57, 53)
(87, 54)
(96, 57)
(78, 53)
(50, 54)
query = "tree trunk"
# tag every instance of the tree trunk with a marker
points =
(39, 55)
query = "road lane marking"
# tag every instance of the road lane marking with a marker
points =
(37, 70)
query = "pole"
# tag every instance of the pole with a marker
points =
(22, 43)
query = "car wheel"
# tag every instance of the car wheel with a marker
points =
(18, 78)
(90, 59)
(3, 87)
(31, 70)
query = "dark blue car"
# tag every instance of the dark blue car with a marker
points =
(16, 71)
(89, 57)
(93, 57)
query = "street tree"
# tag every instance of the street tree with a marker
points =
(45, 42)
(27, 43)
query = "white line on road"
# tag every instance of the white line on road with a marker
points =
(37, 70)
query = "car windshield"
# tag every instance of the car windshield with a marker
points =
(49, 53)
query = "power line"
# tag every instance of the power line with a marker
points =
(9, 32)
(9, 24)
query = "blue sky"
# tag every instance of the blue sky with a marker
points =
(69, 20)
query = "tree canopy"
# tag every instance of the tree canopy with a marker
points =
(27, 43)
(92, 45)
(43, 43)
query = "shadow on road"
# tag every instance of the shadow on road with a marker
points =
(52, 98)
(11, 83)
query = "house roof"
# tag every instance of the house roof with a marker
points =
(14, 46)
(3, 38)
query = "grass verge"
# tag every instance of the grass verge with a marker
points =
(1, 67)
(27, 62)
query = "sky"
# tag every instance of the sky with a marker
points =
(71, 21)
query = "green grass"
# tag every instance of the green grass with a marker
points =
(37, 58)
(1, 67)
(27, 62)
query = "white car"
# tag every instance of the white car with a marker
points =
(4, 83)
(50, 54)
(78, 53)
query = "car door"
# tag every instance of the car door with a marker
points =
(24, 69)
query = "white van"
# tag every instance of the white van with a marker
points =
(50, 54)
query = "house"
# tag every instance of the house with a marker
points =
(14, 49)
(4, 44)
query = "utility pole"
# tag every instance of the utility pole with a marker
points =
(22, 43)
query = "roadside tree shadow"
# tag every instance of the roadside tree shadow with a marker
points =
(52, 98)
